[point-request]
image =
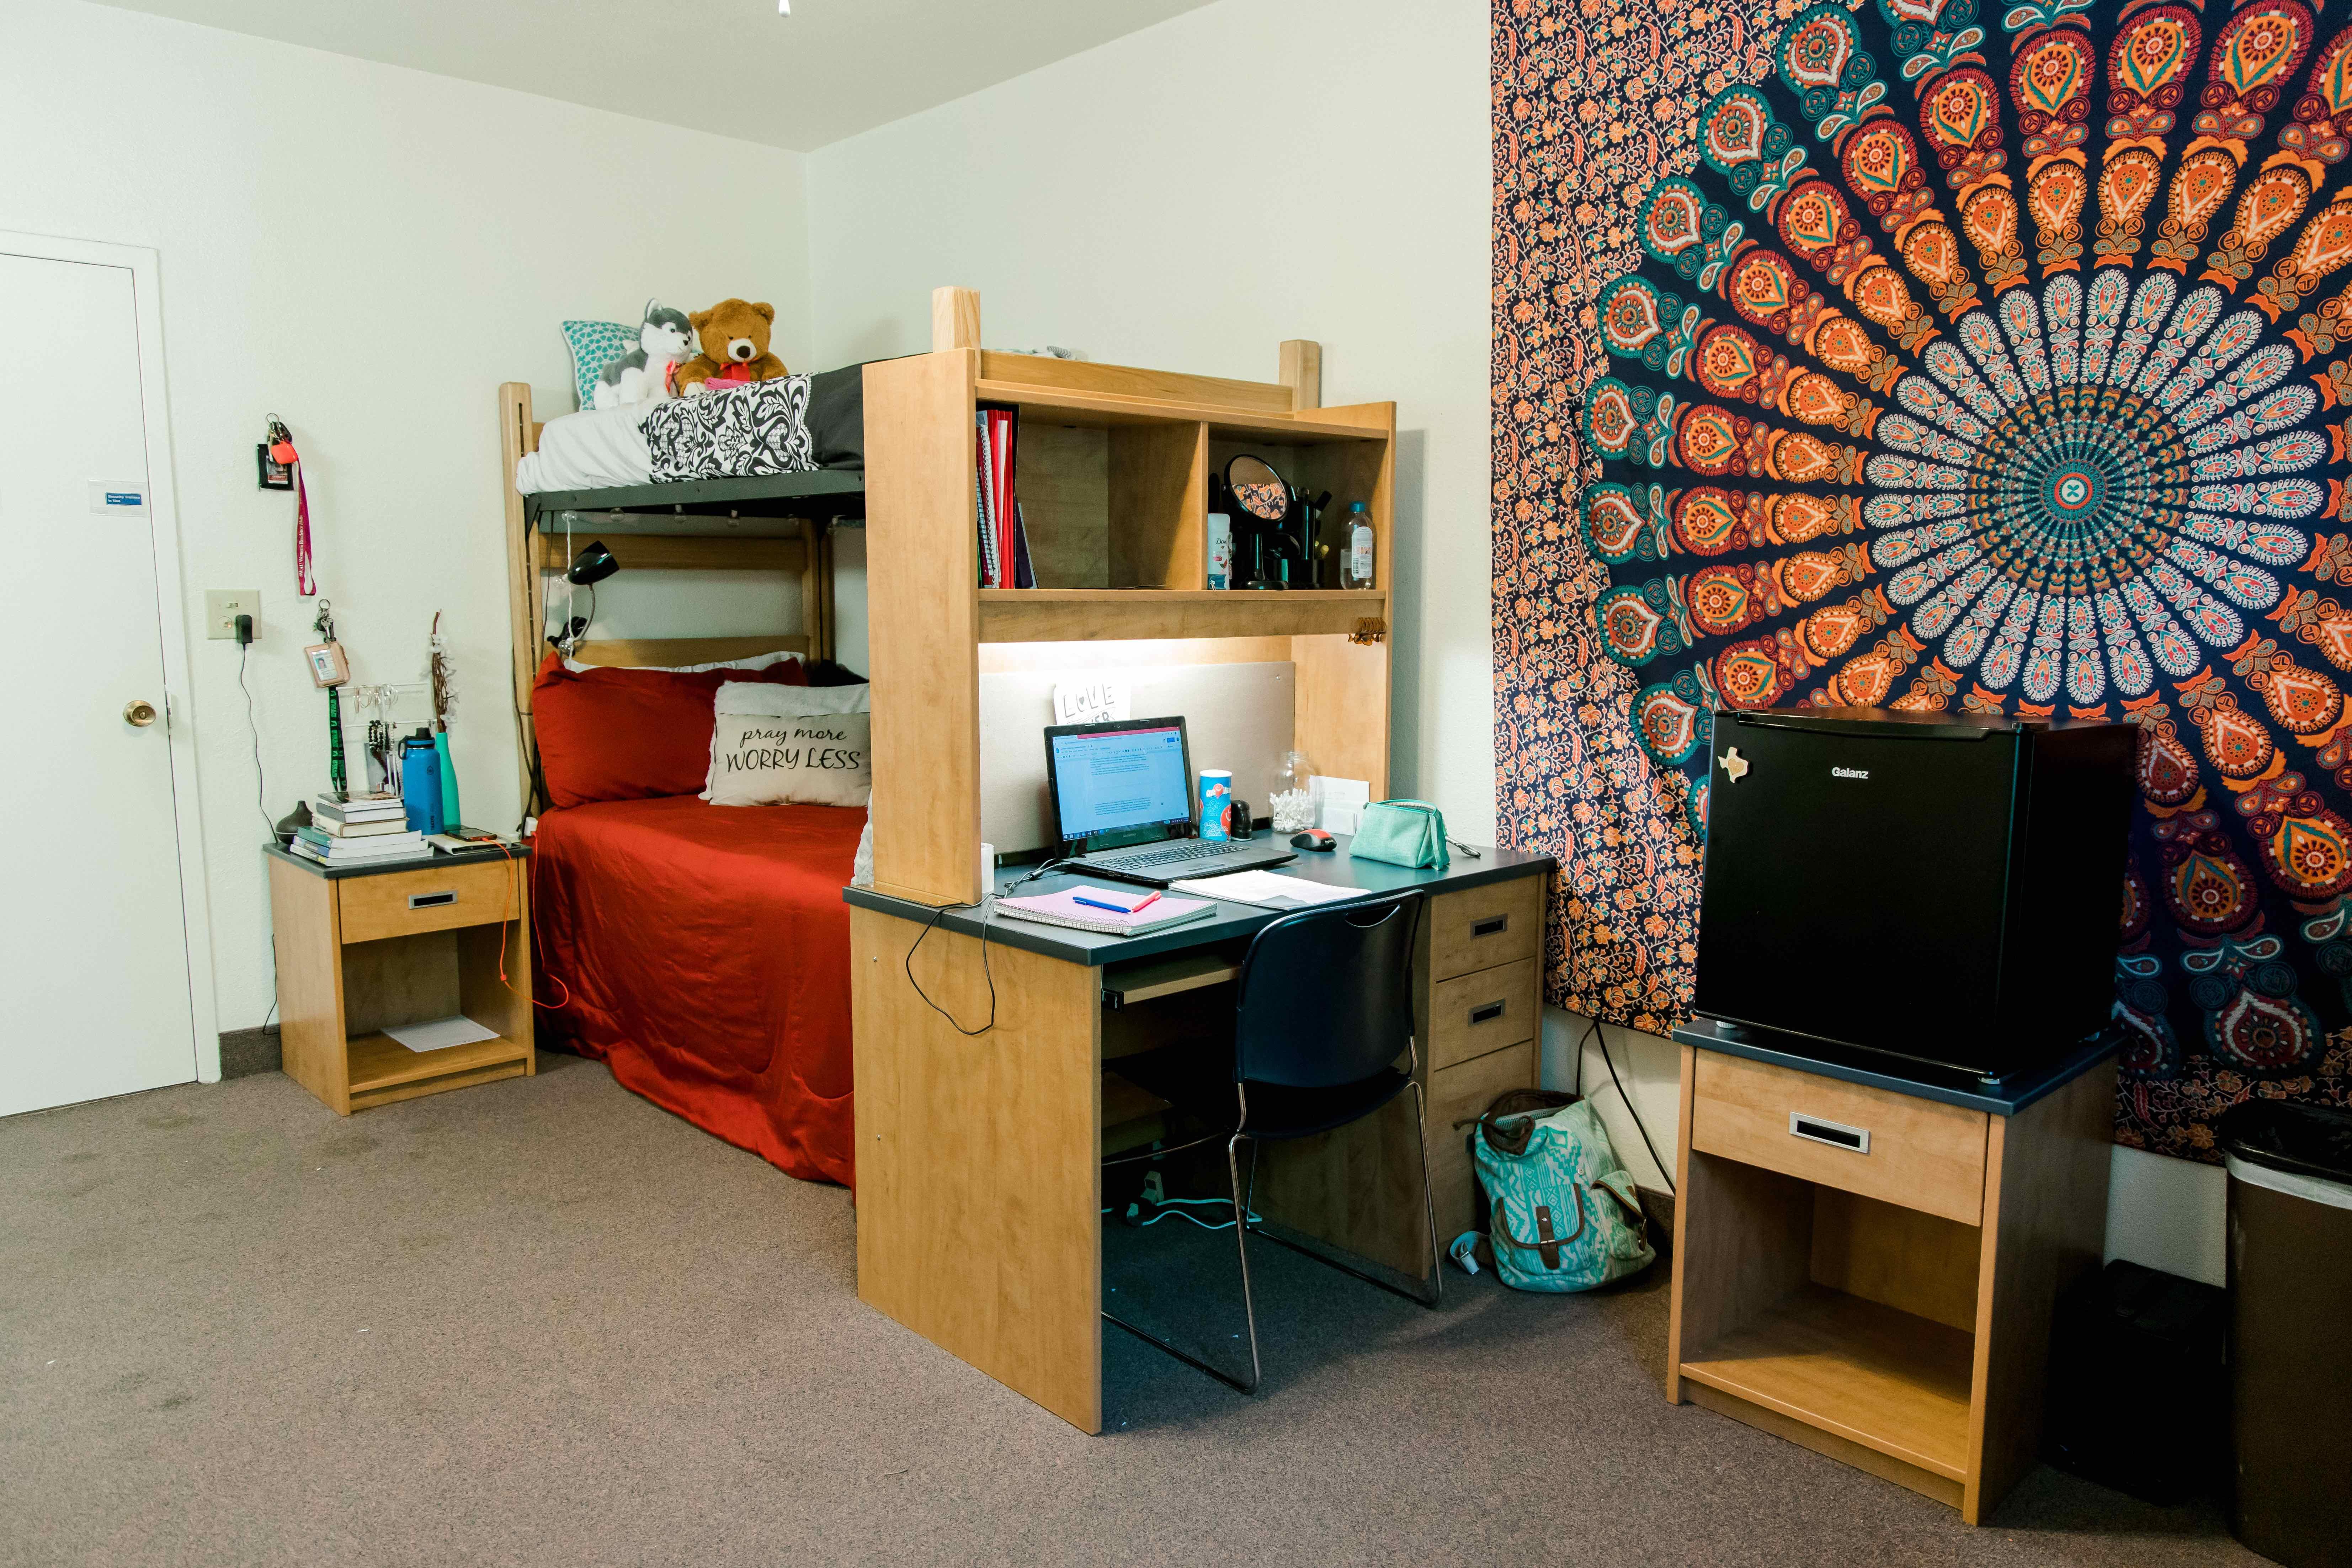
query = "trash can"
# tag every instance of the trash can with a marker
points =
(2290, 1268)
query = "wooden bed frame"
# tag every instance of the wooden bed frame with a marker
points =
(531, 554)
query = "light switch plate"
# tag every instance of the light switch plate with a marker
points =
(222, 608)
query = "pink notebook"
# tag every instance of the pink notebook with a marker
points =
(1063, 909)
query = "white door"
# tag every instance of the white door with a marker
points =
(94, 994)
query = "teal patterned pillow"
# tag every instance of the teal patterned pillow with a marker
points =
(595, 345)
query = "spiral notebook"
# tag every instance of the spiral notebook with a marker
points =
(1063, 909)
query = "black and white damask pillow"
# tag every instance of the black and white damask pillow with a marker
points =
(760, 427)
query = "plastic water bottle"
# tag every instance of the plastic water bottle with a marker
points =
(1356, 566)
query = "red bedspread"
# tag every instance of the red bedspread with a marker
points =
(707, 953)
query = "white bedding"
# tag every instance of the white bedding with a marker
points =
(593, 449)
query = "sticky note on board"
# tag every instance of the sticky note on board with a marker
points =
(1090, 701)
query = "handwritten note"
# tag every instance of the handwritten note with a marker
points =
(1090, 701)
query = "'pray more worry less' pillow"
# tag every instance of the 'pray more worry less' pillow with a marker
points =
(776, 745)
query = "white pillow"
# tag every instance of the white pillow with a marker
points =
(805, 745)
(757, 661)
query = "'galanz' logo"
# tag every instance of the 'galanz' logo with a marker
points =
(1849, 773)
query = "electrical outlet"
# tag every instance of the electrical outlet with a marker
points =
(222, 608)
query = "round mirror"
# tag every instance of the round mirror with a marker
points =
(1257, 488)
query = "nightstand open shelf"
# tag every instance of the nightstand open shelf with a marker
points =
(364, 951)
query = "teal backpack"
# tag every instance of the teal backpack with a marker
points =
(1562, 1212)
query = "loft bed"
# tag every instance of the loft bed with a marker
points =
(703, 951)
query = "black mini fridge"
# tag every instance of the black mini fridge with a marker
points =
(1946, 888)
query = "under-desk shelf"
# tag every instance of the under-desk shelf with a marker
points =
(1886, 1379)
(1081, 615)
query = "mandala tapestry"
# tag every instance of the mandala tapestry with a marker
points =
(1916, 356)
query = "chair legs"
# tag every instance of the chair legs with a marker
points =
(1245, 1194)
(1249, 1302)
(1433, 1292)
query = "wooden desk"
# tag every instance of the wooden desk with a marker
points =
(361, 949)
(1890, 1308)
(979, 1157)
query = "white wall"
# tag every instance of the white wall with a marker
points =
(1189, 196)
(367, 251)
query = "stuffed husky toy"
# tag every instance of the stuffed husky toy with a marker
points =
(644, 374)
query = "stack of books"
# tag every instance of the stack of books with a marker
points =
(1004, 532)
(359, 830)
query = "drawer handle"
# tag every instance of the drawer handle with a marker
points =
(1487, 1014)
(1493, 925)
(431, 900)
(1836, 1134)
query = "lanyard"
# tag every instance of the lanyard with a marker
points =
(304, 584)
(281, 450)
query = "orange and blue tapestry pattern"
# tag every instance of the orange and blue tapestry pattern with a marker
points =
(1936, 354)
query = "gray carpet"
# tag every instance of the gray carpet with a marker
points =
(541, 1322)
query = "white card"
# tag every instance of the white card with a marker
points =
(1091, 701)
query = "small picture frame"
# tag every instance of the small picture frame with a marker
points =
(275, 475)
(328, 665)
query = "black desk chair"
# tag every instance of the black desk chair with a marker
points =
(1323, 1009)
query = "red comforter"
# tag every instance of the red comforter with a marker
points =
(706, 952)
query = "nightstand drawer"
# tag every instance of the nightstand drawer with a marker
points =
(432, 898)
(1471, 1014)
(1500, 923)
(1920, 1153)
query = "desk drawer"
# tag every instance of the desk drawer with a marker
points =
(432, 898)
(1920, 1153)
(1482, 927)
(1471, 1014)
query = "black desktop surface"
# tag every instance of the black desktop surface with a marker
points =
(1229, 922)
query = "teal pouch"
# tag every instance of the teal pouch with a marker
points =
(1563, 1211)
(1402, 833)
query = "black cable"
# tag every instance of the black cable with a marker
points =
(1577, 1087)
(931, 924)
(261, 803)
(1627, 1101)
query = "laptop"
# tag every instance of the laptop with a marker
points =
(1122, 802)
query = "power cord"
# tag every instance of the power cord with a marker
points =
(260, 788)
(938, 910)
(1627, 1101)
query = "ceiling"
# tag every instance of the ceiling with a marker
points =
(831, 69)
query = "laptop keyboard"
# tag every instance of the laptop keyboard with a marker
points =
(1170, 854)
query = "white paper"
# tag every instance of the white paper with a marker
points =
(441, 1033)
(1090, 701)
(1338, 803)
(1267, 890)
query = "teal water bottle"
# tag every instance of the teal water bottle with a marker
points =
(450, 815)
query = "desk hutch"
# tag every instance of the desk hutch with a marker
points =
(979, 1175)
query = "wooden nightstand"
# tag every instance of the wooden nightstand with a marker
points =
(363, 949)
(1868, 1266)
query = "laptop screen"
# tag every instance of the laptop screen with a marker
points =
(1112, 779)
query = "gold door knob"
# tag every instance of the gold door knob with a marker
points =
(138, 712)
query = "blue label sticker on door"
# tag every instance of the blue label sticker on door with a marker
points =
(119, 498)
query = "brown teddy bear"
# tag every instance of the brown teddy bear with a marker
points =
(734, 335)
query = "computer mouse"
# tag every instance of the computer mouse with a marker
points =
(1314, 838)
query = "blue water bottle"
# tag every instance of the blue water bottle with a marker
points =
(420, 783)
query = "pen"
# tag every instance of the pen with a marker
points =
(1147, 903)
(1099, 904)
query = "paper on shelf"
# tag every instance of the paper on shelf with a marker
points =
(1267, 890)
(440, 1034)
